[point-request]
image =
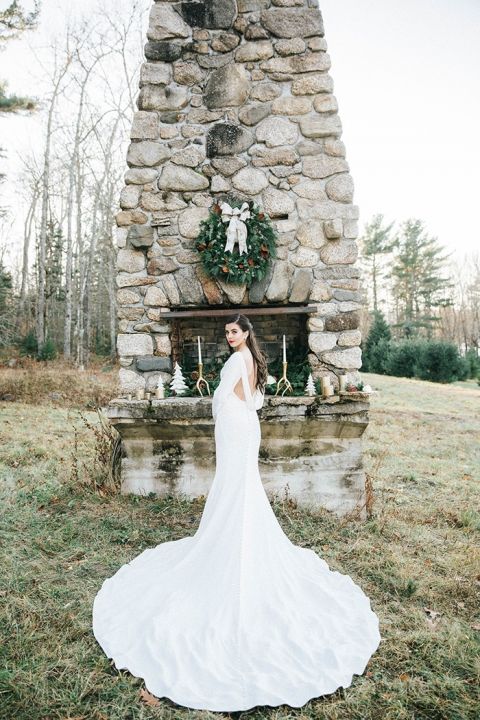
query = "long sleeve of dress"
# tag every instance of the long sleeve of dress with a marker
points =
(230, 374)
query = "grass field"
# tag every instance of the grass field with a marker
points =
(416, 557)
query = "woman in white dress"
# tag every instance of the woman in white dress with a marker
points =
(236, 615)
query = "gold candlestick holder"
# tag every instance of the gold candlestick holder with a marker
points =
(201, 380)
(284, 380)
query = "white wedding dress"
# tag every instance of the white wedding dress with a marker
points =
(236, 615)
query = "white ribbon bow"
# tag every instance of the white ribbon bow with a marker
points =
(237, 230)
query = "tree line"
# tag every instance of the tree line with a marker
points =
(58, 295)
(424, 318)
(61, 295)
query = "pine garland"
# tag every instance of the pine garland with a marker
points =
(231, 266)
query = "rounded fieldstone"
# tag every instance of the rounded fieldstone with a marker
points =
(311, 189)
(311, 84)
(343, 321)
(140, 235)
(155, 296)
(339, 252)
(275, 131)
(265, 92)
(350, 338)
(166, 23)
(140, 176)
(321, 166)
(340, 188)
(321, 126)
(249, 180)
(177, 177)
(127, 297)
(152, 363)
(129, 380)
(130, 261)
(301, 285)
(145, 126)
(290, 47)
(189, 221)
(252, 51)
(279, 284)
(253, 114)
(325, 103)
(190, 156)
(321, 341)
(227, 139)
(187, 73)
(227, 86)
(225, 42)
(304, 257)
(310, 234)
(277, 203)
(292, 22)
(130, 196)
(350, 358)
(134, 344)
(288, 105)
(155, 73)
(212, 14)
(147, 153)
(163, 50)
(320, 291)
(158, 97)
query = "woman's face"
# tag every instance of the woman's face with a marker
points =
(234, 334)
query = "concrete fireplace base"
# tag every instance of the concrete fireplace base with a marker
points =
(310, 448)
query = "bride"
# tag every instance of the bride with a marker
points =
(236, 615)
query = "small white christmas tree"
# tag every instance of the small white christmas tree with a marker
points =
(310, 386)
(177, 384)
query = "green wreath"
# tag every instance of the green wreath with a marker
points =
(231, 265)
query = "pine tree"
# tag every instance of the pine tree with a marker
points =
(418, 281)
(376, 352)
(14, 20)
(376, 242)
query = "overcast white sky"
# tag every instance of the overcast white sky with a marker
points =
(406, 76)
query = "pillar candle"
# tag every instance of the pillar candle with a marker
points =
(343, 383)
(159, 393)
(325, 384)
(199, 349)
(140, 394)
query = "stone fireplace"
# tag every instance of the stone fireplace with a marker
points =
(236, 98)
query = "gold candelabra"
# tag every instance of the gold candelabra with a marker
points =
(284, 380)
(201, 380)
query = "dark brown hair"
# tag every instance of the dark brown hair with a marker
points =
(252, 343)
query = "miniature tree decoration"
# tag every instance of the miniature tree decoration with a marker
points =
(177, 384)
(310, 386)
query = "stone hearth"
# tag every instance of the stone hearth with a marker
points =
(236, 97)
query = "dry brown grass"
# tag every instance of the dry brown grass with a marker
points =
(416, 557)
(59, 383)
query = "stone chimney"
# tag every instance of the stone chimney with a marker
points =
(236, 96)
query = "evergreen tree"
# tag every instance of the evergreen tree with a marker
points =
(6, 306)
(376, 352)
(419, 284)
(376, 242)
(14, 20)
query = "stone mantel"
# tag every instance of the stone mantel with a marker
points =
(310, 447)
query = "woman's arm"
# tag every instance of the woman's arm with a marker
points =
(230, 374)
